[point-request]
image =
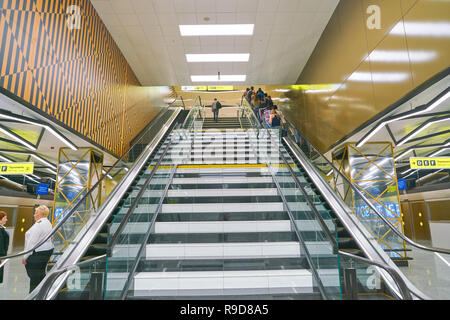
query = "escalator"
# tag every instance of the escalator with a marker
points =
(226, 213)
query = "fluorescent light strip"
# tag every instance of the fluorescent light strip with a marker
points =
(429, 175)
(218, 57)
(217, 30)
(215, 78)
(5, 159)
(403, 154)
(438, 152)
(410, 173)
(31, 178)
(13, 182)
(420, 130)
(51, 171)
(44, 161)
(55, 133)
(382, 124)
(107, 175)
(20, 140)
(436, 103)
(440, 257)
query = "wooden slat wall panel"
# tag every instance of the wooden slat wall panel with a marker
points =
(78, 77)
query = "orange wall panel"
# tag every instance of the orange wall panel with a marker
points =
(78, 77)
(357, 63)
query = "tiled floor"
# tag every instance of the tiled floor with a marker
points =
(429, 272)
(16, 283)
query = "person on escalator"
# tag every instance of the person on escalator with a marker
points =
(36, 262)
(4, 240)
(215, 106)
(275, 119)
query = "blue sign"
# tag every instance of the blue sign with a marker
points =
(401, 184)
(42, 189)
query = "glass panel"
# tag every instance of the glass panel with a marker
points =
(16, 282)
(125, 250)
(316, 242)
(428, 271)
(370, 281)
(81, 282)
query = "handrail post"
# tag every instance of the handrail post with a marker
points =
(351, 284)
(96, 286)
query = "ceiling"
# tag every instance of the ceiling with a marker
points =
(46, 143)
(413, 134)
(285, 34)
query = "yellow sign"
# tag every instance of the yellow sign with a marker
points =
(194, 88)
(220, 88)
(429, 163)
(16, 168)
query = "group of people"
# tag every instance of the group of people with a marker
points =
(36, 261)
(263, 107)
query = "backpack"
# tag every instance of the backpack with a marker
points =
(276, 122)
(218, 105)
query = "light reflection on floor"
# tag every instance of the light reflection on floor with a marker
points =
(429, 272)
(16, 283)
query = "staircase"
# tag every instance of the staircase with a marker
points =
(223, 123)
(223, 230)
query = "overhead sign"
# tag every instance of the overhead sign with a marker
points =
(194, 88)
(220, 88)
(401, 184)
(429, 163)
(16, 168)
(42, 189)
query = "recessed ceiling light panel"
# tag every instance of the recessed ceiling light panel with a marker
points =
(217, 30)
(215, 78)
(218, 57)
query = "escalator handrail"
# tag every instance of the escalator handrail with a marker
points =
(307, 197)
(152, 148)
(147, 236)
(402, 236)
(311, 204)
(294, 224)
(47, 285)
(56, 228)
(193, 109)
(133, 206)
(393, 273)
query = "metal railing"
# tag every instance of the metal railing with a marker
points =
(405, 292)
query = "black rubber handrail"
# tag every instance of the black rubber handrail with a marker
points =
(406, 294)
(47, 285)
(126, 288)
(133, 206)
(308, 200)
(372, 207)
(294, 224)
(75, 207)
(399, 281)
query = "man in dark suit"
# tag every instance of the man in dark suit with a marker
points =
(4, 240)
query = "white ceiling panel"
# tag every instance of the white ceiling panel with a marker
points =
(147, 32)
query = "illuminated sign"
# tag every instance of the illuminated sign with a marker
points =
(16, 168)
(194, 88)
(429, 163)
(220, 88)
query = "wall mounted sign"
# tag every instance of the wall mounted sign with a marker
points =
(16, 168)
(429, 163)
